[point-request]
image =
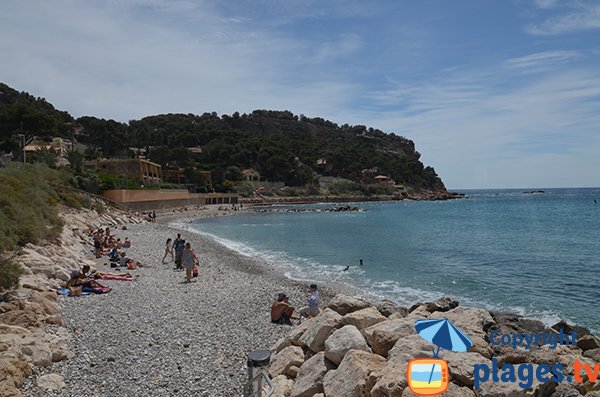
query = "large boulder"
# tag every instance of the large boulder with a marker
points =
(588, 342)
(475, 323)
(567, 328)
(382, 336)
(387, 308)
(412, 345)
(390, 381)
(283, 386)
(280, 344)
(286, 358)
(310, 378)
(319, 330)
(296, 333)
(342, 340)
(351, 379)
(363, 318)
(461, 365)
(444, 304)
(344, 304)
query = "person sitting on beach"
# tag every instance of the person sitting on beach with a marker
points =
(81, 277)
(282, 311)
(127, 243)
(168, 251)
(113, 255)
(313, 303)
(189, 260)
(123, 260)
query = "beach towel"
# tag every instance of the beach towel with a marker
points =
(97, 290)
(67, 292)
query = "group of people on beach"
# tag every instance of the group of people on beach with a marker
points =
(104, 242)
(183, 255)
(282, 312)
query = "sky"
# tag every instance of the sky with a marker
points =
(495, 94)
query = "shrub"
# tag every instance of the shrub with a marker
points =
(99, 207)
(344, 187)
(9, 275)
(85, 201)
(28, 199)
(244, 189)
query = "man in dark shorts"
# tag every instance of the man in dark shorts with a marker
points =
(281, 310)
(178, 246)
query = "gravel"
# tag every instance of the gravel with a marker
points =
(158, 336)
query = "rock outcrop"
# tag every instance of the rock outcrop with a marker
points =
(26, 312)
(358, 349)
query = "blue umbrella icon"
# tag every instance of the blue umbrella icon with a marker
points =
(442, 333)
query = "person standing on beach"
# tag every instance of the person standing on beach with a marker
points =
(168, 250)
(178, 247)
(189, 260)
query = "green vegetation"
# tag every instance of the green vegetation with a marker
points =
(28, 200)
(9, 275)
(29, 197)
(281, 146)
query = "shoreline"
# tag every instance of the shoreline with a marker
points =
(158, 336)
(143, 332)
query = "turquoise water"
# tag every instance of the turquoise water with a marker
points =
(536, 254)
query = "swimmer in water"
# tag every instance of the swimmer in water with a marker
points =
(360, 262)
(346, 268)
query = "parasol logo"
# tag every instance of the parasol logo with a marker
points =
(429, 376)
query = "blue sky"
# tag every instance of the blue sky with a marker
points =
(502, 93)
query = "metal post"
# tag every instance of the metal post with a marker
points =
(258, 361)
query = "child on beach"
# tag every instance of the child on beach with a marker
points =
(168, 250)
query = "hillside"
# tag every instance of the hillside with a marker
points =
(281, 146)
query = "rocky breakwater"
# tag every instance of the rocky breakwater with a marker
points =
(31, 329)
(355, 348)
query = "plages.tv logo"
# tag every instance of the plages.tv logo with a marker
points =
(429, 376)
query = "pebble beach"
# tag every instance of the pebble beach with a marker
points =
(159, 336)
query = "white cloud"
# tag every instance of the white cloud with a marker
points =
(117, 62)
(581, 16)
(543, 59)
(546, 3)
(473, 133)
(347, 44)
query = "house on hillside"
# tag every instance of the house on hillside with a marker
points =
(251, 175)
(385, 180)
(195, 150)
(58, 146)
(142, 171)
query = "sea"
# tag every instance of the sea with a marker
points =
(535, 252)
